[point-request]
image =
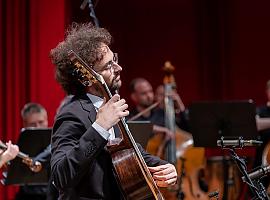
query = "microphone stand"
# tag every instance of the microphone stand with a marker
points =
(92, 11)
(262, 189)
(259, 190)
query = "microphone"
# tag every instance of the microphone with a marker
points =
(237, 143)
(262, 171)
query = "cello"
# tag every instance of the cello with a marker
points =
(126, 157)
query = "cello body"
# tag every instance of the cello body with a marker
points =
(222, 175)
(132, 178)
(194, 162)
(132, 173)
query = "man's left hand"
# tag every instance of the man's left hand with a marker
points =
(164, 175)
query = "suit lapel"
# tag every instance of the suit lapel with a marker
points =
(88, 106)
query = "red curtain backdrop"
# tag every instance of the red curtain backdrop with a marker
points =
(219, 47)
(29, 29)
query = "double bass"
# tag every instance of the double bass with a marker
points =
(199, 177)
(171, 149)
(132, 173)
(178, 150)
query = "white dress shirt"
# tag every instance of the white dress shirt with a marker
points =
(97, 102)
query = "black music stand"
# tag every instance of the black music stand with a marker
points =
(141, 131)
(211, 120)
(32, 141)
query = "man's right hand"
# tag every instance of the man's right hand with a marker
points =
(111, 112)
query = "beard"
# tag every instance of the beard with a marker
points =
(115, 84)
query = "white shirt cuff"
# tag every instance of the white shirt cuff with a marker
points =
(105, 134)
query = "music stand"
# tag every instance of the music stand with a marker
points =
(141, 131)
(211, 120)
(32, 141)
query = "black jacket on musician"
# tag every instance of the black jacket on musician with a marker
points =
(81, 166)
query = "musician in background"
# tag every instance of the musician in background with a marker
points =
(143, 97)
(159, 97)
(35, 115)
(263, 125)
(264, 110)
(181, 112)
(81, 165)
(263, 115)
(9, 154)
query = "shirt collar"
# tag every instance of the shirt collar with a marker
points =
(97, 101)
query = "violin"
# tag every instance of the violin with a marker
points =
(35, 167)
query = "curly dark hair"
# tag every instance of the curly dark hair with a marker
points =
(85, 40)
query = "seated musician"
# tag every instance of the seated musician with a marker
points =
(181, 112)
(35, 115)
(9, 154)
(143, 96)
(263, 126)
(81, 164)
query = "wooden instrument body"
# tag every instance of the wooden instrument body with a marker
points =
(133, 175)
(134, 178)
(212, 173)
(130, 176)
(156, 144)
(219, 171)
(194, 162)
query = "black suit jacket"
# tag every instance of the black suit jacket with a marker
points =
(81, 166)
